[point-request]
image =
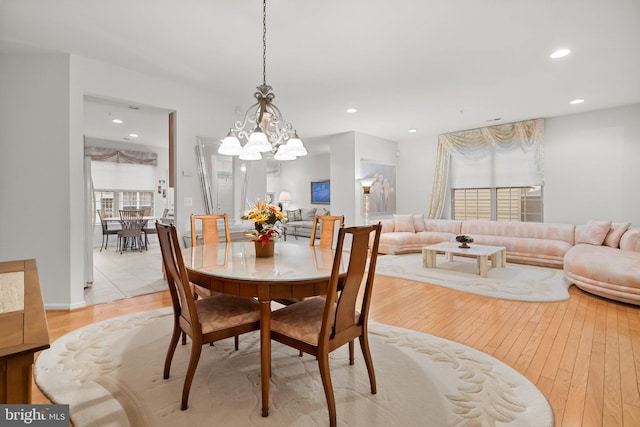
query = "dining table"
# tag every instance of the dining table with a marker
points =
(294, 271)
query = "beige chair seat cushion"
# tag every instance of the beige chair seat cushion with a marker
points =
(222, 311)
(302, 321)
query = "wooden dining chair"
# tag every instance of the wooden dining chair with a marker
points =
(209, 234)
(319, 325)
(327, 229)
(205, 320)
(131, 233)
(209, 228)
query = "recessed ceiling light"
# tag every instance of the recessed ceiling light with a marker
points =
(560, 53)
(117, 121)
(133, 135)
(412, 131)
(577, 101)
(351, 110)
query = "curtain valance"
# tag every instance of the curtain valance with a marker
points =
(103, 154)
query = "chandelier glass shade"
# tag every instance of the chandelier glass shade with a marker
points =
(263, 129)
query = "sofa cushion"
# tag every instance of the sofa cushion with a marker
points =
(418, 223)
(294, 215)
(323, 212)
(593, 233)
(615, 233)
(308, 214)
(403, 223)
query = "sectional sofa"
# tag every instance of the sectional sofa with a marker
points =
(600, 257)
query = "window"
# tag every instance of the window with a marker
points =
(112, 201)
(523, 204)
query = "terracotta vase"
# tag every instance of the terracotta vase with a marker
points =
(265, 251)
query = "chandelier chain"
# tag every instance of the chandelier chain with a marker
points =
(264, 42)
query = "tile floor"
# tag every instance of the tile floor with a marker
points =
(117, 276)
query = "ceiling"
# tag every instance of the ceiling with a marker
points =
(433, 66)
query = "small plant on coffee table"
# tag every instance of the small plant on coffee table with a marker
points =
(464, 239)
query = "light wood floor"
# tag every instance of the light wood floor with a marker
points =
(583, 354)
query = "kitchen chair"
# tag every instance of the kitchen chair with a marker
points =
(131, 233)
(210, 234)
(327, 229)
(106, 231)
(319, 325)
(205, 320)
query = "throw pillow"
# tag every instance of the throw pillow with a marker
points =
(322, 212)
(403, 223)
(593, 233)
(294, 215)
(615, 233)
(418, 223)
(307, 214)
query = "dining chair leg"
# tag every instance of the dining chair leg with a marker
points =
(172, 349)
(366, 352)
(184, 338)
(236, 341)
(196, 349)
(323, 364)
(351, 355)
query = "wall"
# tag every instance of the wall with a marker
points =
(590, 168)
(35, 177)
(296, 176)
(42, 141)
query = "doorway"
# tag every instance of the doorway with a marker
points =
(127, 159)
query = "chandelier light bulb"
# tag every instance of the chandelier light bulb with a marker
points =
(230, 145)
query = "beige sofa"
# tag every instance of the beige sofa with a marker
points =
(598, 257)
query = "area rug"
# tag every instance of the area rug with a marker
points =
(111, 375)
(515, 282)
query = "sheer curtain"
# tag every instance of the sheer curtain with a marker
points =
(477, 144)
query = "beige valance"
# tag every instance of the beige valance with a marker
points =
(104, 154)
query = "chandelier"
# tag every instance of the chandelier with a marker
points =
(263, 130)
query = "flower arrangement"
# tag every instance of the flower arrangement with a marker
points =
(266, 218)
(463, 238)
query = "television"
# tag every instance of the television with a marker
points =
(321, 191)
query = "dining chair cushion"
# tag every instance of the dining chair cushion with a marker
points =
(302, 320)
(222, 311)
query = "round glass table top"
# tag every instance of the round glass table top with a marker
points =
(237, 260)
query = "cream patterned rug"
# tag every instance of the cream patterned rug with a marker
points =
(515, 282)
(111, 374)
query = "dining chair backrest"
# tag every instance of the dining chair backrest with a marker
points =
(101, 215)
(340, 318)
(182, 295)
(327, 229)
(209, 228)
(131, 219)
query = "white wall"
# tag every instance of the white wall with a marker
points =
(35, 177)
(41, 135)
(296, 176)
(590, 168)
(416, 164)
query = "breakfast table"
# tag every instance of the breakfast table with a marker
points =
(294, 271)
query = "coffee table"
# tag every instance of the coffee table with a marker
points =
(483, 253)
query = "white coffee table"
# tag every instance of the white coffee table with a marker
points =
(483, 253)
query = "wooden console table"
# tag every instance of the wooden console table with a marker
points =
(23, 323)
